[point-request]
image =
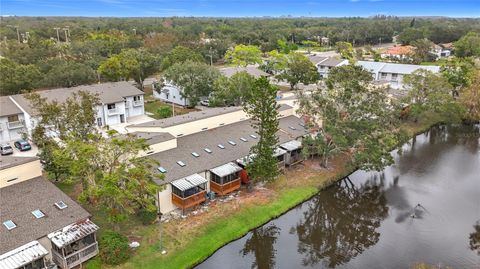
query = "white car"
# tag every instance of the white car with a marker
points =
(205, 102)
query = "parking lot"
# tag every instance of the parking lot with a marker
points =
(18, 153)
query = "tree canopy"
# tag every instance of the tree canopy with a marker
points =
(298, 69)
(243, 55)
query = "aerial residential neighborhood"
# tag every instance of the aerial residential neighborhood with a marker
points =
(239, 134)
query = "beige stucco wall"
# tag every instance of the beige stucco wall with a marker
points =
(47, 244)
(21, 172)
(159, 147)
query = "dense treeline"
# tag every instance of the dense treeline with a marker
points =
(45, 59)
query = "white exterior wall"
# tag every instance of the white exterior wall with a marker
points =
(134, 108)
(10, 134)
(394, 83)
(159, 147)
(174, 95)
(20, 173)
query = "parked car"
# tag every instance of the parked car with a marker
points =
(22, 145)
(5, 149)
(205, 102)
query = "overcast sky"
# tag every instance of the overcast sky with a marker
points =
(240, 8)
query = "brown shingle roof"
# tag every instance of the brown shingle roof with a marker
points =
(10, 161)
(17, 202)
(251, 70)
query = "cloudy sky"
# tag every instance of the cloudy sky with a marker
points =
(240, 8)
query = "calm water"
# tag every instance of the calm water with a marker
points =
(366, 221)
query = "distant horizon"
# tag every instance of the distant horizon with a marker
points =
(240, 9)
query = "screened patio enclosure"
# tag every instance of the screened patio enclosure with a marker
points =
(189, 191)
(225, 179)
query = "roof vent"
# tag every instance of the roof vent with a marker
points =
(221, 146)
(232, 143)
(9, 224)
(204, 128)
(195, 154)
(221, 124)
(253, 136)
(38, 214)
(182, 164)
(162, 170)
(61, 205)
(243, 139)
(207, 150)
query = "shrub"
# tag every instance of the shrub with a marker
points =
(164, 112)
(114, 248)
(147, 216)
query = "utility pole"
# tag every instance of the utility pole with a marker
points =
(210, 55)
(58, 35)
(66, 34)
(18, 33)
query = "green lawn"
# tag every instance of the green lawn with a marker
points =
(152, 106)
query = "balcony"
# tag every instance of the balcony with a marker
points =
(113, 111)
(224, 189)
(190, 201)
(76, 258)
(138, 103)
(15, 124)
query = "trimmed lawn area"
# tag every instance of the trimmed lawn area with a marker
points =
(152, 106)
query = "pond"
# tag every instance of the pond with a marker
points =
(424, 208)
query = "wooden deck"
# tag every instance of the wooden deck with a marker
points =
(188, 202)
(225, 188)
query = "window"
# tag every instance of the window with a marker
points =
(111, 106)
(162, 170)
(196, 155)
(243, 139)
(207, 150)
(253, 136)
(182, 164)
(394, 77)
(137, 98)
(99, 122)
(232, 143)
(9, 224)
(221, 146)
(383, 75)
(38, 214)
(13, 118)
(61, 205)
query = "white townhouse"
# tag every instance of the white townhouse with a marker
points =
(325, 64)
(171, 93)
(12, 121)
(118, 101)
(393, 73)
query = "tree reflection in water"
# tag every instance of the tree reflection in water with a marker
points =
(341, 223)
(475, 238)
(261, 245)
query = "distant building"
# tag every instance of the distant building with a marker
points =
(325, 64)
(440, 52)
(41, 226)
(12, 120)
(398, 52)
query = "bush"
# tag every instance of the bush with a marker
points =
(164, 112)
(147, 216)
(114, 248)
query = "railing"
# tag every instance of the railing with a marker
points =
(75, 258)
(190, 201)
(15, 124)
(137, 103)
(113, 111)
(225, 188)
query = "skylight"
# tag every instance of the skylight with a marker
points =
(243, 139)
(291, 127)
(38, 213)
(207, 150)
(253, 136)
(182, 164)
(9, 224)
(61, 205)
(221, 146)
(232, 143)
(195, 154)
(162, 170)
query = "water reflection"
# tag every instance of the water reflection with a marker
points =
(475, 238)
(341, 223)
(261, 245)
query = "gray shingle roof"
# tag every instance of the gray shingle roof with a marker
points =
(407, 68)
(110, 92)
(154, 138)
(316, 59)
(210, 139)
(7, 107)
(10, 161)
(251, 70)
(19, 200)
(331, 62)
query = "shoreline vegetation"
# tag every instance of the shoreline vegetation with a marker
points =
(192, 240)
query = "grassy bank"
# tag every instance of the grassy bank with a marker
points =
(189, 241)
